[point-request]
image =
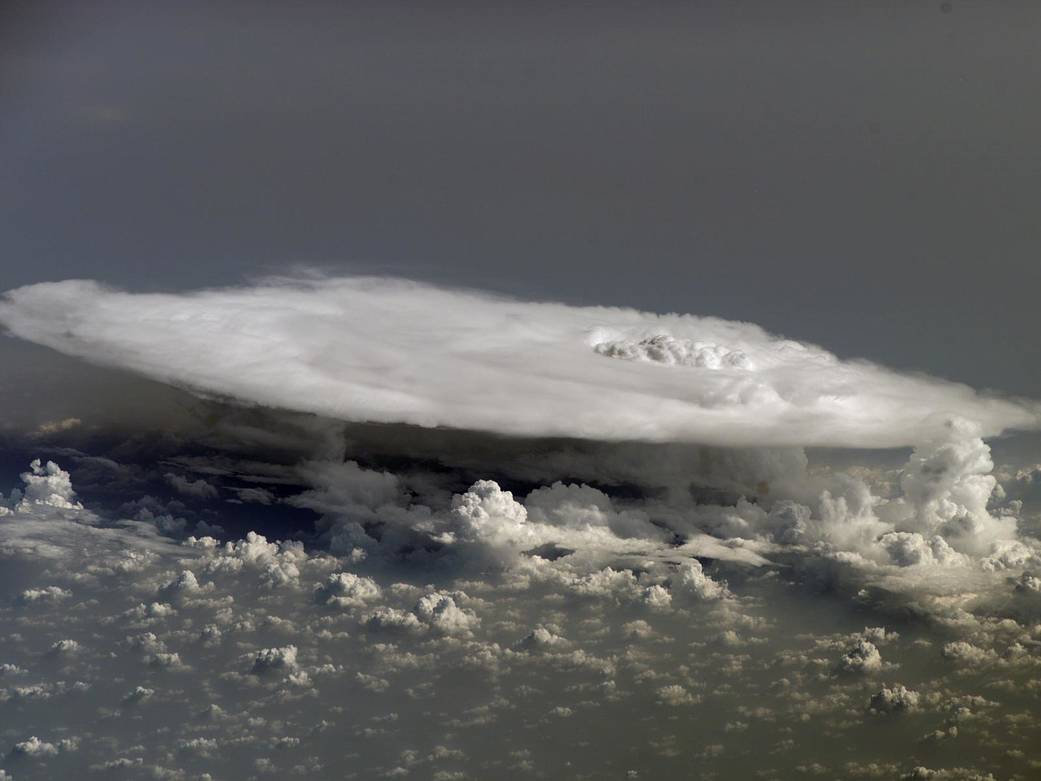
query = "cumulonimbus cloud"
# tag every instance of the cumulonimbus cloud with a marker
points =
(386, 350)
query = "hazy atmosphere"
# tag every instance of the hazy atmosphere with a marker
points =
(520, 390)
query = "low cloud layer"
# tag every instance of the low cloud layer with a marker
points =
(133, 655)
(368, 349)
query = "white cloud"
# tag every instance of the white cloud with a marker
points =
(384, 350)
(691, 579)
(138, 694)
(676, 696)
(487, 512)
(542, 638)
(441, 612)
(34, 747)
(345, 589)
(861, 657)
(64, 647)
(966, 653)
(241, 669)
(898, 699)
(393, 619)
(582, 507)
(908, 549)
(185, 585)
(276, 562)
(281, 659)
(46, 594)
(45, 486)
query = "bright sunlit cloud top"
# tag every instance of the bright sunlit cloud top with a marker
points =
(385, 350)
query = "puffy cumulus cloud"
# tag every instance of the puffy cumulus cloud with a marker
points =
(966, 653)
(437, 611)
(542, 638)
(939, 516)
(488, 524)
(45, 594)
(176, 659)
(395, 351)
(908, 549)
(182, 587)
(394, 619)
(898, 699)
(45, 486)
(277, 563)
(1010, 555)
(486, 513)
(836, 526)
(862, 657)
(345, 589)
(583, 507)
(274, 660)
(365, 511)
(692, 580)
(675, 695)
(1028, 583)
(34, 747)
(63, 647)
(441, 612)
(949, 476)
(947, 485)
(46, 523)
(138, 694)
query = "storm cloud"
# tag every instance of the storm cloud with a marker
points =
(369, 436)
(394, 351)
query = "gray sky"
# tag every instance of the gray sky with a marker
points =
(865, 178)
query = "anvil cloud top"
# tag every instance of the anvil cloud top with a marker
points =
(389, 350)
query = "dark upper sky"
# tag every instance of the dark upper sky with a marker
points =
(865, 178)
